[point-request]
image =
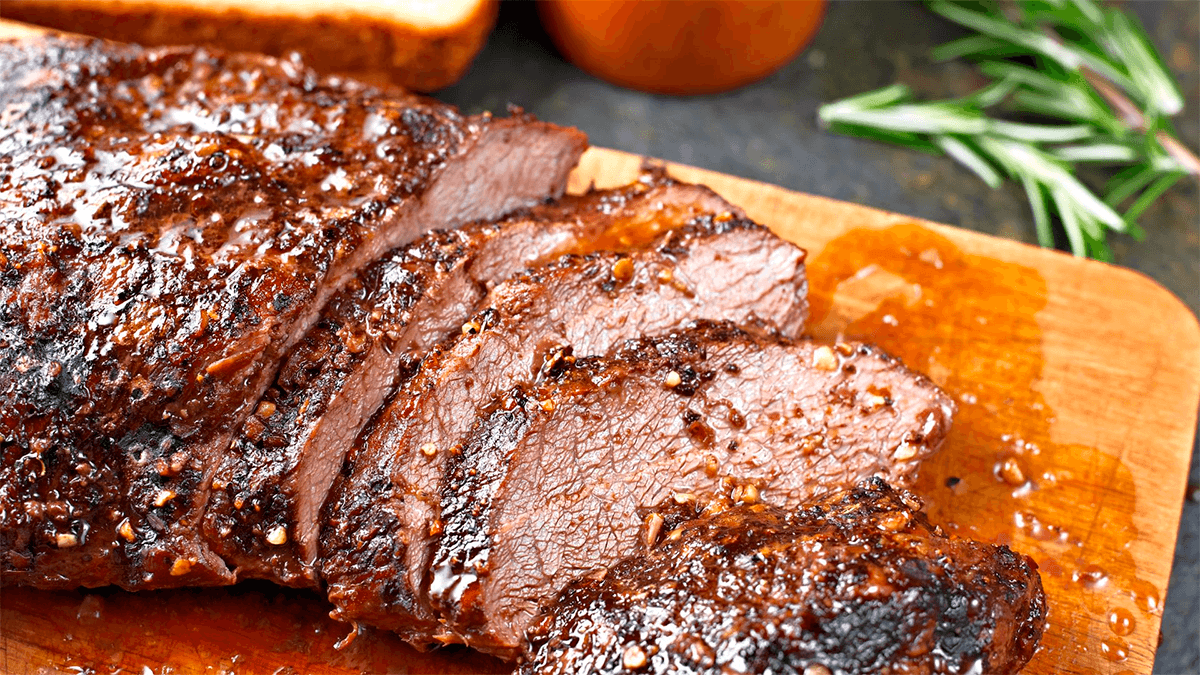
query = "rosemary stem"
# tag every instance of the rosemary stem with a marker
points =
(1133, 116)
(1130, 113)
(1180, 152)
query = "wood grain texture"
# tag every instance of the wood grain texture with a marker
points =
(1078, 384)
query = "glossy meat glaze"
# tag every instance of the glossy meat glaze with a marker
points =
(173, 220)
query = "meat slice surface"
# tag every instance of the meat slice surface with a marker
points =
(556, 479)
(855, 582)
(376, 546)
(173, 222)
(269, 489)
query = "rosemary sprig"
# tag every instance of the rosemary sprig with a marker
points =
(1097, 76)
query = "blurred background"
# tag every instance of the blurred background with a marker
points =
(768, 131)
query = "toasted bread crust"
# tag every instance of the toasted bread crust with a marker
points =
(352, 43)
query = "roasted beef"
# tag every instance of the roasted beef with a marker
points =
(377, 543)
(208, 289)
(555, 479)
(856, 582)
(173, 222)
(264, 512)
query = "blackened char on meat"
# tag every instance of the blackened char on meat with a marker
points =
(173, 221)
(376, 546)
(264, 512)
(856, 582)
(555, 478)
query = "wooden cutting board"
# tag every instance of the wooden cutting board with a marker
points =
(1078, 385)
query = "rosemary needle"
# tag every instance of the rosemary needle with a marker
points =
(1098, 83)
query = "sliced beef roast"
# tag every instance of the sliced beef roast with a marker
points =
(857, 582)
(207, 288)
(268, 491)
(376, 546)
(174, 220)
(555, 479)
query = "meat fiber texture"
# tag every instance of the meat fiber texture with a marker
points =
(173, 222)
(264, 513)
(855, 582)
(555, 479)
(376, 546)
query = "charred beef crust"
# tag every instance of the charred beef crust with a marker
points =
(856, 582)
(173, 221)
(685, 415)
(377, 541)
(463, 533)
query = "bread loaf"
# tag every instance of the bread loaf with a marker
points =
(423, 45)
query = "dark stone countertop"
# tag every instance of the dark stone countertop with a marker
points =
(767, 131)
